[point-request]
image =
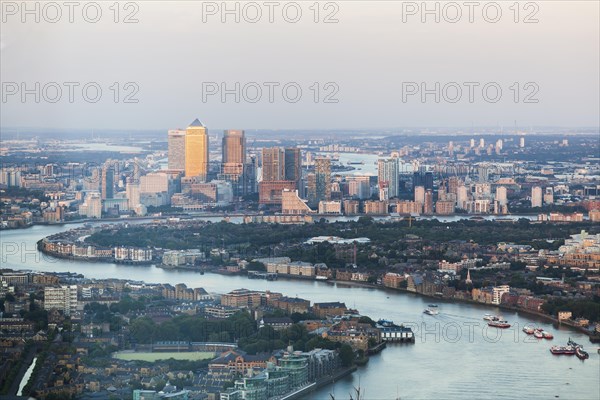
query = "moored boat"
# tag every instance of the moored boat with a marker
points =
(499, 324)
(547, 335)
(429, 311)
(538, 333)
(562, 350)
(528, 330)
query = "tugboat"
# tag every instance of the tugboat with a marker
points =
(581, 354)
(499, 324)
(430, 311)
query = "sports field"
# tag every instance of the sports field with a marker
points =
(182, 355)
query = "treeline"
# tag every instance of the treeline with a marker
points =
(584, 308)
(193, 329)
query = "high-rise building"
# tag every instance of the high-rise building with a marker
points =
(293, 165)
(273, 164)
(522, 142)
(176, 142)
(108, 181)
(234, 152)
(388, 175)
(359, 187)
(62, 298)
(462, 197)
(322, 179)
(428, 205)
(549, 195)
(420, 195)
(196, 150)
(536, 196)
(501, 196)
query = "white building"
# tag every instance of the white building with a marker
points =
(497, 293)
(536, 196)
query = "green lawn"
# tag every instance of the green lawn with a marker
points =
(182, 355)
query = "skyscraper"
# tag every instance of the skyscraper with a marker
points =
(108, 181)
(196, 150)
(273, 164)
(234, 152)
(388, 174)
(233, 162)
(322, 179)
(428, 205)
(176, 140)
(293, 165)
(501, 197)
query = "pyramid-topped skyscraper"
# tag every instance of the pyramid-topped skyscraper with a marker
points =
(196, 150)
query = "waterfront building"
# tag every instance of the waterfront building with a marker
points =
(271, 192)
(428, 205)
(196, 150)
(291, 203)
(501, 196)
(331, 309)
(420, 195)
(376, 207)
(444, 207)
(330, 207)
(393, 280)
(293, 165)
(319, 189)
(176, 147)
(497, 293)
(388, 176)
(351, 207)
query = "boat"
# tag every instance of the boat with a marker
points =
(429, 311)
(433, 305)
(580, 353)
(356, 163)
(490, 317)
(499, 324)
(562, 350)
(528, 330)
(547, 335)
(538, 334)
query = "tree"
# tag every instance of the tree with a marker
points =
(346, 355)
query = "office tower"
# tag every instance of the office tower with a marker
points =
(176, 142)
(273, 164)
(108, 181)
(293, 165)
(536, 196)
(92, 206)
(359, 187)
(501, 197)
(420, 195)
(384, 192)
(483, 173)
(323, 179)
(428, 205)
(549, 195)
(428, 182)
(472, 143)
(450, 148)
(462, 197)
(388, 176)
(234, 161)
(234, 152)
(196, 150)
(250, 175)
(132, 191)
(522, 142)
(481, 143)
(453, 184)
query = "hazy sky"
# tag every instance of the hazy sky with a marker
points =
(177, 48)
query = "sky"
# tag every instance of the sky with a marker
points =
(336, 65)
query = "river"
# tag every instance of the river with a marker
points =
(454, 357)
